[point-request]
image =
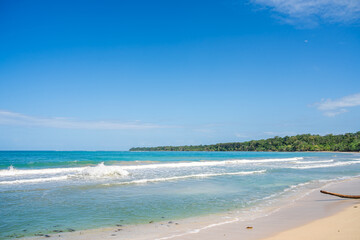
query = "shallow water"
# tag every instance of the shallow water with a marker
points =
(46, 191)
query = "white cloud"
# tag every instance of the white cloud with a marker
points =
(334, 113)
(311, 11)
(280, 133)
(241, 135)
(12, 118)
(335, 107)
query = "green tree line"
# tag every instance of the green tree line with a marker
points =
(348, 142)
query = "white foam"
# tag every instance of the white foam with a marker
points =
(34, 180)
(120, 169)
(204, 175)
(47, 175)
(97, 171)
(101, 171)
(93, 173)
(326, 165)
(210, 163)
(15, 172)
(314, 162)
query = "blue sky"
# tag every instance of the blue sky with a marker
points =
(110, 75)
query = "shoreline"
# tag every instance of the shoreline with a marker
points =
(172, 151)
(291, 212)
(254, 151)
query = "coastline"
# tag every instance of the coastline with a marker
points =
(305, 208)
(349, 152)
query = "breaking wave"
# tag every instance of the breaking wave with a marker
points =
(16, 172)
(101, 169)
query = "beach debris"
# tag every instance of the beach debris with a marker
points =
(57, 231)
(355, 206)
(70, 230)
(249, 227)
(176, 223)
(118, 225)
(38, 234)
(341, 195)
(170, 222)
(47, 236)
(151, 221)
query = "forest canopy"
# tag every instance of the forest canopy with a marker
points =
(348, 142)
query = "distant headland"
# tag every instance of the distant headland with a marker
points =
(348, 142)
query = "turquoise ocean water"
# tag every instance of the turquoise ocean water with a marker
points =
(42, 191)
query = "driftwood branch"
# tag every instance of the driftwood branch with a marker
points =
(341, 195)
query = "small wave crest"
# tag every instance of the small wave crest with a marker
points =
(326, 165)
(203, 175)
(314, 162)
(211, 163)
(34, 180)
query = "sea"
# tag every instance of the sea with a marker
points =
(46, 191)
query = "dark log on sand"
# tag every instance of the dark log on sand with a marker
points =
(341, 195)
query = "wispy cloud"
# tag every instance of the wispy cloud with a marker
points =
(12, 118)
(335, 107)
(241, 135)
(312, 11)
(279, 133)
